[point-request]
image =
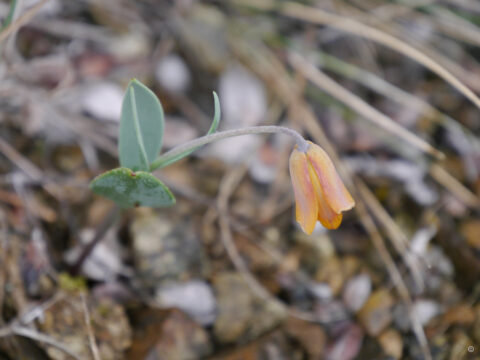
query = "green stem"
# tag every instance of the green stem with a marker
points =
(204, 140)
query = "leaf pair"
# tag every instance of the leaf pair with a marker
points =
(140, 140)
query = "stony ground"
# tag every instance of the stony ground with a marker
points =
(226, 273)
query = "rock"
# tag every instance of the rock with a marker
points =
(310, 336)
(391, 343)
(356, 292)
(244, 103)
(424, 310)
(202, 35)
(173, 74)
(193, 297)
(182, 339)
(104, 262)
(103, 101)
(420, 240)
(242, 316)
(462, 314)
(129, 46)
(439, 262)
(242, 96)
(448, 294)
(347, 345)
(65, 322)
(401, 317)
(331, 312)
(321, 291)
(471, 230)
(330, 272)
(376, 315)
(165, 249)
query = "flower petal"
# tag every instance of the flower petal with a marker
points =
(329, 218)
(306, 207)
(335, 192)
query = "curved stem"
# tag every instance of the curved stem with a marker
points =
(193, 144)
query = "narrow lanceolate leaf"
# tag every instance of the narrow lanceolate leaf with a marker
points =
(129, 188)
(213, 128)
(141, 127)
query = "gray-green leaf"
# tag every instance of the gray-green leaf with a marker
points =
(141, 127)
(128, 188)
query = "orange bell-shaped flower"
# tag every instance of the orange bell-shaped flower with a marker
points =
(319, 192)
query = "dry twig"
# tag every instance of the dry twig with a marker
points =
(22, 20)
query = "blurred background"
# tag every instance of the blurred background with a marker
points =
(387, 88)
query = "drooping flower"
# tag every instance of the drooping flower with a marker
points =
(319, 192)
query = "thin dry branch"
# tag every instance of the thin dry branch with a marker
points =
(394, 274)
(88, 323)
(227, 187)
(22, 20)
(399, 240)
(260, 60)
(361, 107)
(463, 194)
(29, 333)
(392, 92)
(317, 16)
(396, 94)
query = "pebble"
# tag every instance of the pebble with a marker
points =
(182, 339)
(311, 336)
(401, 317)
(193, 297)
(242, 315)
(104, 262)
(243, 98)
(65, 322)
(376, 314)
(471, 230)
(331, 272)
(356, 292)
(103, 101)
(129, 46)
(347, 345)
(165, 250)
(321, 291)
(244, 103)
(391, 342)
(331, 311)
(173, 74)
(424, 310)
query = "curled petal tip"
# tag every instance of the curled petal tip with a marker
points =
(336, 194)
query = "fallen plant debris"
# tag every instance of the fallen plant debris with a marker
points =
(389, 90)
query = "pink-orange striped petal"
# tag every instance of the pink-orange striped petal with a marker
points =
(329, 218)
(306, 207)
(334, 191)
